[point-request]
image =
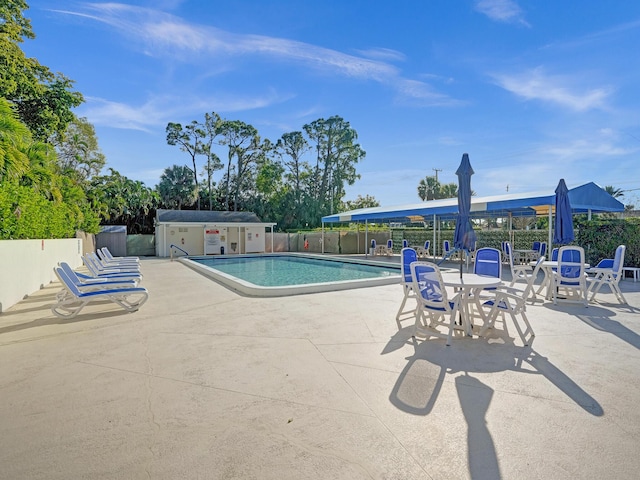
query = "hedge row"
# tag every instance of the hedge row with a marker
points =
(25, 214)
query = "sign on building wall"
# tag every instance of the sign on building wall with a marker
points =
(211, 241)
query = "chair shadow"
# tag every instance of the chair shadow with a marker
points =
(418, 385)
(417, 388)
(601, 318)
(54, 320)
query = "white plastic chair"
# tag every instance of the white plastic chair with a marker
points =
(434, 307)
(512, 304)
(447, 251)
(570, 280)
(389, 249)
(106, 255)
(608, 276)
(73, 299)
(407, 257)
(423, 252)
(518, 272)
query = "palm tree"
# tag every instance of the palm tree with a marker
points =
(177, 187)
(15, 139)
(428, 188)
(614, 192)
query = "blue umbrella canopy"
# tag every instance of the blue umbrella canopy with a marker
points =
(464, 237)
(563, 231)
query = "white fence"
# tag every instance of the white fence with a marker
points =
(27, 265)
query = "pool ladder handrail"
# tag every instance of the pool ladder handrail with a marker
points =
(172, 246)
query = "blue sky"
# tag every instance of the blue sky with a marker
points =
(533, 90)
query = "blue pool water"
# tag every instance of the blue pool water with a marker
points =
(279, 271)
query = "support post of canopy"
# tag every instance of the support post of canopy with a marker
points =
(433, 245)
(550, 244)
(366, 238)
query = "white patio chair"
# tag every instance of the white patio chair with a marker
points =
(423, 252)
(71, 302)
(487, 262)
(389, 249)
(434, 309)
(608, 276)
(448, 252)
(569, 281)
(529, 291)
(508, 302)
(407, 257)
(519, 272)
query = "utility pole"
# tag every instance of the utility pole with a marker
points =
(437, 170)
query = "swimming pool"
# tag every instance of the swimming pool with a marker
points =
(274, 275)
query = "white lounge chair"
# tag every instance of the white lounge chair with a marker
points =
(100, 255)
(107, 256)
(609, 276)
(96, 266)
(74, 300)
(86, 282)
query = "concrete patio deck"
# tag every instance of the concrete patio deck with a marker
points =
(203, 383)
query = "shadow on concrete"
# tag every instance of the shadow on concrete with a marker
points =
(418, 385)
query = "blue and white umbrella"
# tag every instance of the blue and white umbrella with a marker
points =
(563, 231)
(464, 238)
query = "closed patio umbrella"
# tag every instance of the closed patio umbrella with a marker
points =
(563, 231)
(464, 237)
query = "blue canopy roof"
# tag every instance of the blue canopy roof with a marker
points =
(585, 198)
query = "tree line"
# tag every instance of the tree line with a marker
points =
(52, 171)
(294, 181)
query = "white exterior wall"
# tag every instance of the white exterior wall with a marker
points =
(27, 265)
(194, 239)
(255, 240)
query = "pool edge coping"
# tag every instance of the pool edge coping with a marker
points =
(251, 290)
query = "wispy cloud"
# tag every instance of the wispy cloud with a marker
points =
(561, 90)
(384, 54)
(159, 110)
(163, 35)
(506, 11)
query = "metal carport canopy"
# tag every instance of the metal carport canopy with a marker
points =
(587, 198)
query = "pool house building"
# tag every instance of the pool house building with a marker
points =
(205, 232)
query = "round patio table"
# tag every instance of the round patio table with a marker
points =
(470, 285)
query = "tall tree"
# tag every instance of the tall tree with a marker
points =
(212, 128)
(78, 151)
(189, 139)
(336, 156)
(43, 100)
(127, 202)
(177, 187)
(291, 147)
(241, 139)
(360, 202)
